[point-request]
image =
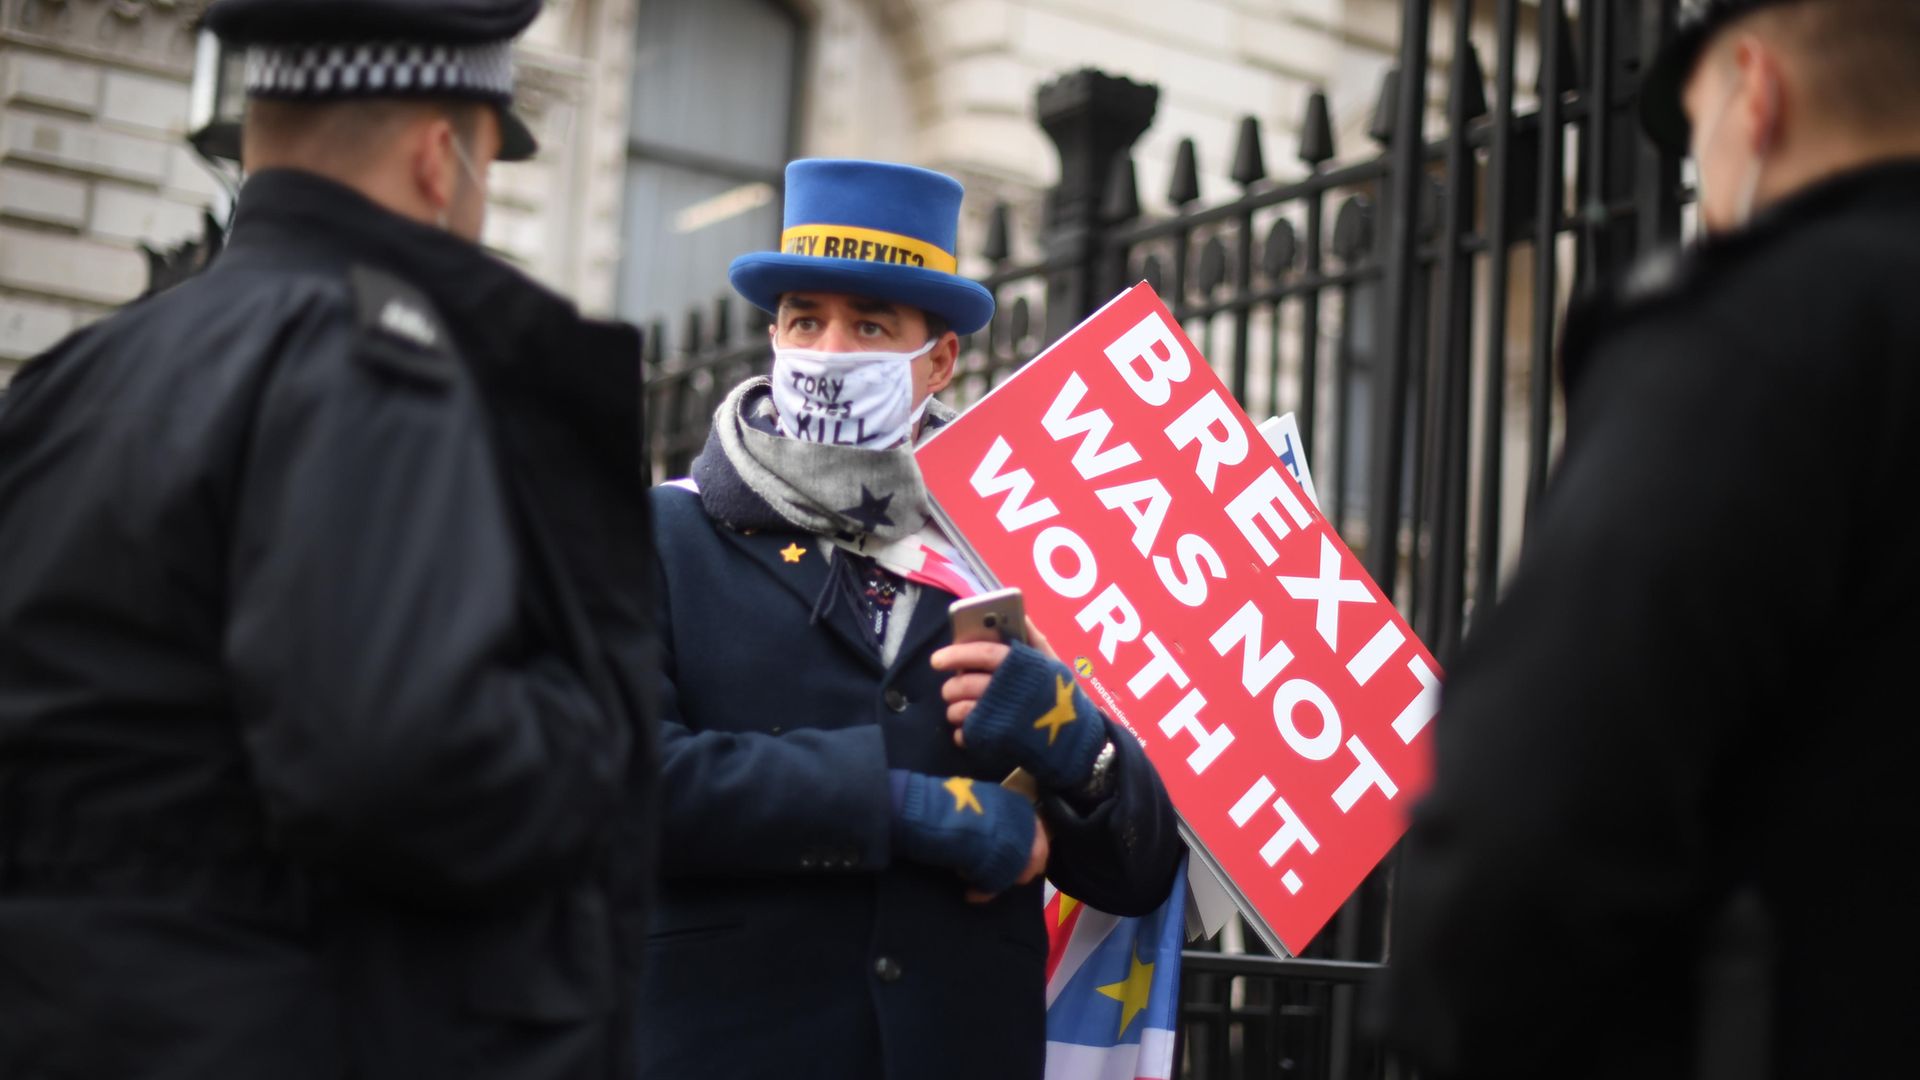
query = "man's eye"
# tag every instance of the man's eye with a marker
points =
(873, 329)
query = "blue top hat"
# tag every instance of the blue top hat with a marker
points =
(868, 228)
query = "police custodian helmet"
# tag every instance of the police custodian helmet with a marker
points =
(338, 50)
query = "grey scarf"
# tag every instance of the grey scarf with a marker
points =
(750, 476)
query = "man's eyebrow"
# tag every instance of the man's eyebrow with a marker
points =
(875, 307)
(799, 303)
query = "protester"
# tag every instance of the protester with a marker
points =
(847, 890)
(1688, 724)
(322, 584)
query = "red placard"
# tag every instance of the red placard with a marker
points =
(1168, 555)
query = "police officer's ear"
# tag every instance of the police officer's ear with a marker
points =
(453, 146)
(1767, 102)
(1754, 67)
(436, 172)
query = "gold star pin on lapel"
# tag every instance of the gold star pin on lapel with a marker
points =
(792, 552)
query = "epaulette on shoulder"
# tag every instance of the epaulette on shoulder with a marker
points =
(1650, 285)
(399, 331)
(1657, 276)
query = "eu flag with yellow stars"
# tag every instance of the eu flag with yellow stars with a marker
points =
(1113, 989)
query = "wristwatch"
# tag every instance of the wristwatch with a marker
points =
(1101, 781)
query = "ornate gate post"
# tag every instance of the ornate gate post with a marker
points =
(1093, 119)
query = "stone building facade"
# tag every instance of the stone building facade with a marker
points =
(631, 98)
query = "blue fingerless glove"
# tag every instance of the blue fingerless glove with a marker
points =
(1034, 714)
(975, 828)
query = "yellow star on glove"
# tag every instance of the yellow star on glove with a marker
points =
(1062, 712)
(792, 552)
(961, 788)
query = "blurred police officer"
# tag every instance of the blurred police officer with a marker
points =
(1690, 723)
(319, 723)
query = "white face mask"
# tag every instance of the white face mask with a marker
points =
(860, 399)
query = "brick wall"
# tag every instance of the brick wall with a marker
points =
(93, 160)
(93, 107)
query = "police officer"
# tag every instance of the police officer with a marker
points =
(321, 750)
(1673, 801)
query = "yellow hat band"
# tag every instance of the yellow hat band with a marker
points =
(865, 245)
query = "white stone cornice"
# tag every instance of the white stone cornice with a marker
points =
(153, 35)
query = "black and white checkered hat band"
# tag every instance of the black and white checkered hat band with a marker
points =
(380, 68)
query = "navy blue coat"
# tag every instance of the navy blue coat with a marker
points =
(786, 941)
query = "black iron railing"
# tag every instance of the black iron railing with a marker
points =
(1405, 304)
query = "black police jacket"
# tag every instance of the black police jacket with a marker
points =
(1670, 826)
(322, 669)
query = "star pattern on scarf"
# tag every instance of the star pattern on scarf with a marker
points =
(872, 511)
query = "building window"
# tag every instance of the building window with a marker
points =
(712, 122)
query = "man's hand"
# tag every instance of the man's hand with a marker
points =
(988, 835)
(1023, 705)
(975, 662)
(1036, 864)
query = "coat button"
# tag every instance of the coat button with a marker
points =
(895, 700)
(887, 969)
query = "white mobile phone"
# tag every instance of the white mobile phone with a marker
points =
(1000, 615)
